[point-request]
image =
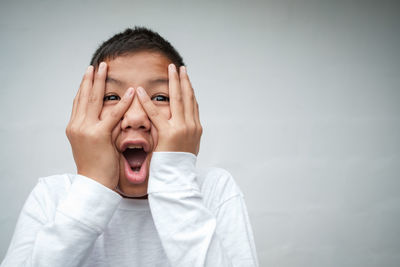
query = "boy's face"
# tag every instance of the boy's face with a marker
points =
(135, 136)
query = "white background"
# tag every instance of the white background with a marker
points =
(299, 100)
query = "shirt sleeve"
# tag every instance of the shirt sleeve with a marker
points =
(190, 233)
(66, 237)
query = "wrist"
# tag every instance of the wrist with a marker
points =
(171, 171)
(172, 149)
(100, 178)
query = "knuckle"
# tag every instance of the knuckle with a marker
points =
(93, 99)
(92, 135)
(79, 133)
(178, 97)
(183, 130)
(152, 112)
(84, 94)
(125, 101)
(72, 131)
(190, 94)
(115, 113)
(67, 131)
(191, 127)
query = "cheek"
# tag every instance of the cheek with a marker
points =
(166, 111)
(115, 132)
(154, 136)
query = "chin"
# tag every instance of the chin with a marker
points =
(129, 189)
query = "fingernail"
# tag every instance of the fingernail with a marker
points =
(141, 91)
(89, 69)
(183, 69)
(102, 65)
(171, 67)
(129, 92)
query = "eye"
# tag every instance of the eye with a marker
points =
(162, 98)
(111, 98)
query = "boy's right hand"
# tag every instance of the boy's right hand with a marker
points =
(91, 138)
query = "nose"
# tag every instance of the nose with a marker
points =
(135, 117)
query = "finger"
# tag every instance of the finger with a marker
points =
(115, 115)
(197, 114)
(187, 94)
(175, 94)
(86, 84)
(74, 106)
(95, 96)
(198, 124)
(151, 110)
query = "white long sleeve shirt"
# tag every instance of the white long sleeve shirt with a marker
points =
(191, 218)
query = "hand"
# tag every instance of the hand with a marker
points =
(93, 149)
(181, 132)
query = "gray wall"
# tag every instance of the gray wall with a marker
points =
(299, 100)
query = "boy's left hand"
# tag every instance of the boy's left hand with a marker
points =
(181, 132)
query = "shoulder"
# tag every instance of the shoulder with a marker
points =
(52, 188)
(46, 195)
(57, 183)
(217, 186)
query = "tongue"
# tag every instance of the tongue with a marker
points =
(135, 157)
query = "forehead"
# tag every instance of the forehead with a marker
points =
(137, 68)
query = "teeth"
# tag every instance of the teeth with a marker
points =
(135, 147)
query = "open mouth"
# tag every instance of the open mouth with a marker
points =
(135, 155)
(135, 163)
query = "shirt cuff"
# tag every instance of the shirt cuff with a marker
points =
(172, 171)
(90, 203)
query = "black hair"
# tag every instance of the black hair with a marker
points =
(134, 40)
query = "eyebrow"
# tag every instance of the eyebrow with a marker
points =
(157, 81)
(112, 80)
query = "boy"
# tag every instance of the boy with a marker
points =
(137, 198)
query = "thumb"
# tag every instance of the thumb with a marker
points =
(157, 118)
